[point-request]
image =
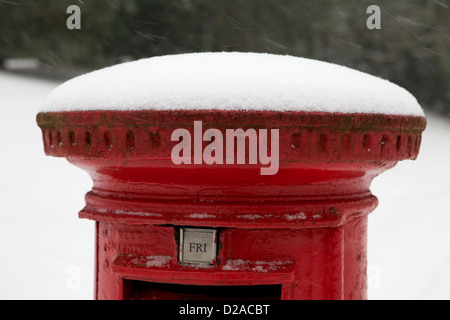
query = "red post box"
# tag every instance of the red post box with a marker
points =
(180, 217)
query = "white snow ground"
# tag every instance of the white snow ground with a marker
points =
(46, 252)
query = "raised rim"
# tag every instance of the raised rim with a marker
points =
(304, 136)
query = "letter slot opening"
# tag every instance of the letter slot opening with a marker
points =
(141, 290)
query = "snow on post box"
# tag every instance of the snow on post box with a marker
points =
(231, 175)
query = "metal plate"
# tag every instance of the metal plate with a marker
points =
(198, 245)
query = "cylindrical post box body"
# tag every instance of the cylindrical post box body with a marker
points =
(196, 229)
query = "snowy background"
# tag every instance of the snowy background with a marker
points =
(48, 253)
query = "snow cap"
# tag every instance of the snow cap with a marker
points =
(232, 81)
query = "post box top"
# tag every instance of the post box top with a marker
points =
(232, 81)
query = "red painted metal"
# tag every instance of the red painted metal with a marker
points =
(303, 229)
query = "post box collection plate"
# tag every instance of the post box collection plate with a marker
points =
(198, 245)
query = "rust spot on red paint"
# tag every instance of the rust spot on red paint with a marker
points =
(108, 139)
(384, 139)
(131, 143)
(88, 139)
(322, 143)
(58, 138)
(347, 142)
(50, 139)
(409, 145)
(399, 142)
(296, 140)
(367, 141)
(72, 138)
(155, 139)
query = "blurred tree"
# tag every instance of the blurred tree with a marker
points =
(38, 29)
(411, 48)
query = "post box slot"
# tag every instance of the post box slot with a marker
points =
(142, 290)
